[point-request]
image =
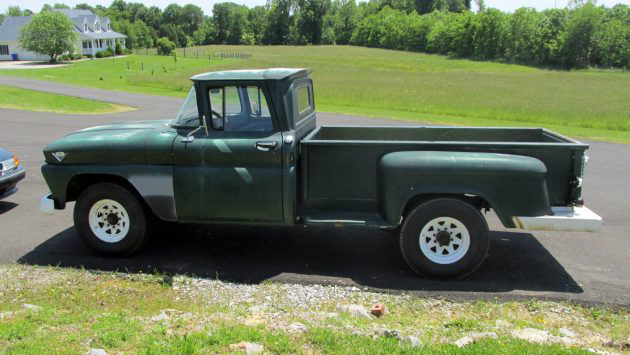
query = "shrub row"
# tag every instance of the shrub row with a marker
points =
(587, 36)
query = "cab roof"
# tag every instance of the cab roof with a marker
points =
(253, 74)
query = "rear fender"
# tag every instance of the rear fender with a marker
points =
(513, 185)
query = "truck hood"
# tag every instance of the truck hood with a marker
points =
(127, 126)
(120, 143)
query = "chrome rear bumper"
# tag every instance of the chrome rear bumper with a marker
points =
(564, 219)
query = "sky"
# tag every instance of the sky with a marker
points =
(206, 5)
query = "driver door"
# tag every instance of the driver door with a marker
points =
(234, 172)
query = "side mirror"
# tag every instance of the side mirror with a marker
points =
(190, 137)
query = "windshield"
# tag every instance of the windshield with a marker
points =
(188, 115)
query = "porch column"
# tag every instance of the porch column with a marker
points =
(93, 45)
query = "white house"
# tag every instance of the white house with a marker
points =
(94, 34)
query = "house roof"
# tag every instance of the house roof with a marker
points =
(253, 74)
(101, 35)
(10, 28)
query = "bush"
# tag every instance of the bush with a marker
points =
(119, 49)
(127, 51)
(165, 46)
(88, 56)
(104, 54)
(77, 56)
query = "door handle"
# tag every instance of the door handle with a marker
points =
(266, 146)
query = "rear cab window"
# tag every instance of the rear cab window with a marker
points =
(304, 101)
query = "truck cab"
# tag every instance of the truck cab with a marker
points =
(239, 130)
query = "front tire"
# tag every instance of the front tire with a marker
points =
(110, 219)
(444, 238)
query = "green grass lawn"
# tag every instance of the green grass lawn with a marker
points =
(56, 310)
(411, 86)
(21, 99)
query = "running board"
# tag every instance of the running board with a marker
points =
(564, 219)
(360, 219)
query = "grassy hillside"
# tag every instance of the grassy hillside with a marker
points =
(21, 99)
(410, 86)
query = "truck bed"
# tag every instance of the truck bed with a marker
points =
(339, 164)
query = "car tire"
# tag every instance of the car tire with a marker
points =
(111, 220)
(444, 238)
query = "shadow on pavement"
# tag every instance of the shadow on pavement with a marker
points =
(6, 206)
(371, 258)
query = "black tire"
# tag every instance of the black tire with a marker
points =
(425, 215)
(138, 227)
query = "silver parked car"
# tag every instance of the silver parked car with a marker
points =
(10, 173)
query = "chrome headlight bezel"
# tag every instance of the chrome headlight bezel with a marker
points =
(59, 155)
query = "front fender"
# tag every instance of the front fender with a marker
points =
(154, 183)
(513, 185)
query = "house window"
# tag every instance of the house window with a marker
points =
(109, 26)
(85, 29)
(87, 44)
(4, 49)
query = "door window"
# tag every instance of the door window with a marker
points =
(240, 109)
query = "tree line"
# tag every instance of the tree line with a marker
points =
(580, 35)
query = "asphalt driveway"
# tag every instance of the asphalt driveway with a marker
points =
(582, 267)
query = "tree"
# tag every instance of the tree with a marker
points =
(256, 23)
(14, 11)
(191, 18)
(345, 21)
(172, 14)
(50, 33)
(309, 20)
(174, 33)
(490, 34)
(523, 36)
(83, 6)
(278, 22)
(481, 5)
(230, 21)
(578, 40)
(165, 46)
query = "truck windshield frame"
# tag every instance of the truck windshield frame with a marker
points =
(188, 113)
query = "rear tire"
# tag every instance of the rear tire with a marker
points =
(110, 219)
(444, 238)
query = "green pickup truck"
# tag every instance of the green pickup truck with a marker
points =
(245, 148)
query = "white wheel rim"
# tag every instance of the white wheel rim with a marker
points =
(109, 221)
(433, 240)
